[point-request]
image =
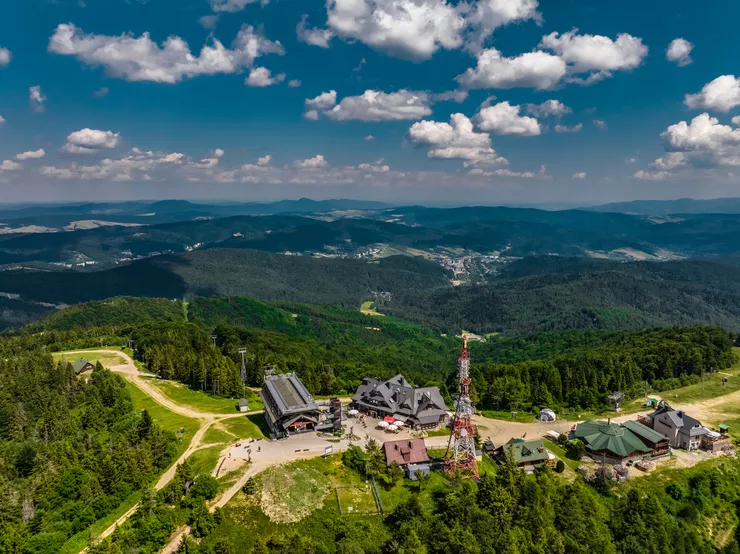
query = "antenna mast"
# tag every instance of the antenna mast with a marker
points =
(462, 438)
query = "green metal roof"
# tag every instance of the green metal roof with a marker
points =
(612, 437)
(644, 431)
(527, 452)
(79, 364)
(723, 426)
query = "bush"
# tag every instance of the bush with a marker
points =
(576, 449)
(560, 466)
(205, 486)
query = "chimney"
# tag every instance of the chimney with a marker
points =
(411, 444)
(680, 414)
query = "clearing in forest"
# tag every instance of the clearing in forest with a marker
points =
(368, 308)
(292, 492)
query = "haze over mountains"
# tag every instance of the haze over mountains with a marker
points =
(481, 268)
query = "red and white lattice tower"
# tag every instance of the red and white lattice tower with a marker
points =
(462, 438)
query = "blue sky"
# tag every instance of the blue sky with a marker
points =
(490, 101)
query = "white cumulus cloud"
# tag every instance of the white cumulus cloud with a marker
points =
(596, 54)
(375, 105)
(579, 175)
(142, 59)
(411, 29)
(312, 35)
(31, 155)
(10, 165)
(317, 162)
(294, 83)
(231, 5)
(539, 70)
(505, 119)
(416, 29)
(721, 95)
(651, 175)
(679, 51)
(454, 140)
(323, 101)
(568, 128)
(548, 108)
(4, 57)
(600, 124)
(89, 141)
(263, 77)
(264, 160)
(37, 98)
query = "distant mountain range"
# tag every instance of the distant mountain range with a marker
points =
(57, 217)
(680, 206)
(431, 232)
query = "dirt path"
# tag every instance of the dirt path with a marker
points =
(130, 372)
(310, 445)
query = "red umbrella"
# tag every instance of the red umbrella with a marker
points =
(388, 419)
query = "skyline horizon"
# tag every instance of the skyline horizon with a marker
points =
(388, 204)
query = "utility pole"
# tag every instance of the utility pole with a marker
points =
(243, 351)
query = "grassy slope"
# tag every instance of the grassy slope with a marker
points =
(203, 401)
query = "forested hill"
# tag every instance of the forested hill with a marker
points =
(562, 294)
(71, 453)
(233, 272)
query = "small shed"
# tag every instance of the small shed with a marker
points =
(82, 366)
(242, 405)
(412, 469)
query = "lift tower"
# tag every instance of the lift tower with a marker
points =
(462, 438)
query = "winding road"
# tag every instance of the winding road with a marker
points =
(311, 445)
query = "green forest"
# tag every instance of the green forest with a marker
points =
(71, 452)
(332, 349)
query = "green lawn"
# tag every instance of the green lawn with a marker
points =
(106, 359)
(523, 417)
(245, 427)
(163, 417)
(204, 401)
(438, 432)
(559, 451)
(79, 541)
(206, 459)
(368, 308)
(216, 435)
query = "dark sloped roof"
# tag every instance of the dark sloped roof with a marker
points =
(679, 420)
(611, 437)
(80, 364)
(397, 396)
(289, 394)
